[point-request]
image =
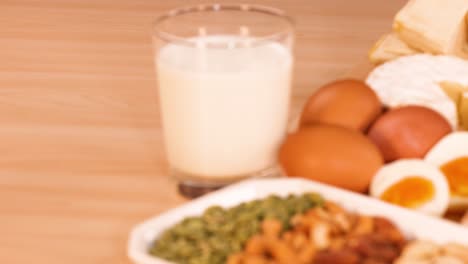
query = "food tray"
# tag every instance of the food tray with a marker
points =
(412, 223)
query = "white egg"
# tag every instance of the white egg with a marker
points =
(452, 147)
(394, 173)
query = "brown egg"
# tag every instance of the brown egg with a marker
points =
(408, 132)
(331, 154)
(348, 103)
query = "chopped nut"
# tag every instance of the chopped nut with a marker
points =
(307, 253)
(337, 243)
(299, 240)
(343, 222)
(337, 257)
(339, 216)
(386, 254)
(254, 259)
(390, 231)
(296, 219)
(300, 223)
(283, 253)
(271, 227)
(255, 245)
(320, 235)
(374, 261)
(235, 259)
(374, 246)
(321, 213)
(288, 237)
(334, 208)
(364, 225)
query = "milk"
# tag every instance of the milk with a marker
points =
(224, 110)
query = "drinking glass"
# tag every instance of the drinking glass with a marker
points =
(224, 82)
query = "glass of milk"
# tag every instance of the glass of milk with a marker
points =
(224, 82)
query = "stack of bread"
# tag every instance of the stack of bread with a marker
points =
(424, 60)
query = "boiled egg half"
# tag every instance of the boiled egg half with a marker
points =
(450, 154)
(414, 184)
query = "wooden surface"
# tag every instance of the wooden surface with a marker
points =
(80, 138)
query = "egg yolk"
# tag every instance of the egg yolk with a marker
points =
(410, 192)
(456, 172)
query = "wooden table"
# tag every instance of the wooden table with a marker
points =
(80, 135)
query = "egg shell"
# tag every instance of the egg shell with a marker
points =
(331, 154)
(408, 132)
(451, 147)
(348, 103)
(396, 171)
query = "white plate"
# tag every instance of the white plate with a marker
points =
(412, 223)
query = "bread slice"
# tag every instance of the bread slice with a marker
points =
(434, 26)
(389, 47)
